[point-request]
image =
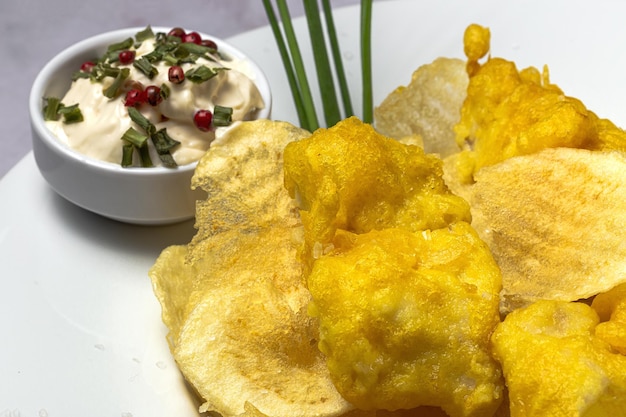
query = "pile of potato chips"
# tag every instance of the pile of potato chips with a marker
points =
(234, 298)
(474, 265)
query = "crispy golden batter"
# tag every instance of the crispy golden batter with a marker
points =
(352, 178)
(508, 112)
(405, 319)
(555, 365)
(406, 293)
(611, 308)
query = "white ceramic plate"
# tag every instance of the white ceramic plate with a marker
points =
(81, 330)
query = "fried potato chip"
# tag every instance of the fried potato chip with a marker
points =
(234, 299)
(556, 366)
(249, 339)
(554, 222)
(242, 174)
(429, 106)
(173, 282)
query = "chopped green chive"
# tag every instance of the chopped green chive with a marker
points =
(51, 109)
(165, 91)
(120, 46)
(170, 59)
(114, 89)
(167, 160)
(145, 66)
(222, 116)
(201, 74)
(163, 142)
(145, 34)
(133, 137)
(54, 109)
(71, 114)
(127, 155)
(195, 49)
(80, 74)
(144, 156)
(141, 120)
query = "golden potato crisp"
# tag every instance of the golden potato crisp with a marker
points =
(234, 299)
(351, 177)
(405, 319)
(250, 339)
(429, 106)
(554, 364)
(554, 222)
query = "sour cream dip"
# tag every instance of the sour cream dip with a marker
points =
(106, 119)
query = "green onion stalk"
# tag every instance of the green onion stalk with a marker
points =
(291, 57)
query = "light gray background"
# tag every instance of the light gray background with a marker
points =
(32, 31)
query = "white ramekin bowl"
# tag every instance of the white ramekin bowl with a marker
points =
(148, 196)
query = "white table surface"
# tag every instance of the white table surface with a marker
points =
(32, 31)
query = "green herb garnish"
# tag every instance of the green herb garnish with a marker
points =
(144, 156)
(145, 34)
(114, 89)
(222, 116)
(195, 49)
(51, 109)
(135, 138)
(145, 66)
(165, 91)
(120, 46)
(366, 60)
(80, 74)
(127, 155)
(163, 144)
(322, 63)
(141, 120)
(200, 74)
(71, 114)
(296, 75)
(54, 109)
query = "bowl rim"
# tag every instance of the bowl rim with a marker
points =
(101, 41)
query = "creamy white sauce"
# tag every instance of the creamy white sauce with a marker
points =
(106, 120)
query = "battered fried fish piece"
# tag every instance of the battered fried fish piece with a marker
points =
(351, 177)
(406, 293)
(611, 308)
(556, 364)
(508, 112)
(405, 319)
